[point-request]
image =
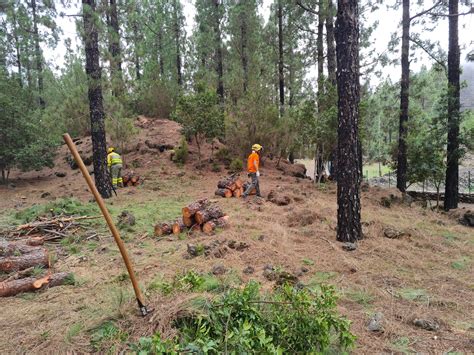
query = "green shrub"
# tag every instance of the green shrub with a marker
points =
(244, 321)
(236, 165)
(223, 155)
(215, 167)
(181, 153)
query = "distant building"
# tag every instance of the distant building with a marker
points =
(467, 80)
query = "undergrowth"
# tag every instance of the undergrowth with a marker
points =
(65, 206)
(289, 320)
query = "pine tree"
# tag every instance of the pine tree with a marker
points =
(452, 169)
(347, 53)
(97, 115)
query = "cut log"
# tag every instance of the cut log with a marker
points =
(192, 208)
(134, 179)
(11, 249)
(129, 183)
(178, 227)
(21, 262)
(188, 221)
(210, 226)
(125, 179)
(237, 192)
(163, 229)
(239, 183)
(231, 183)
(212, 212)
(31, 284)
(223, 193)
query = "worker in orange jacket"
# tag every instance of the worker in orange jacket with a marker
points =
(253, 165)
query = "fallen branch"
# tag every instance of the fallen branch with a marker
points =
(31, 284)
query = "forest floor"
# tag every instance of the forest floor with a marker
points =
(427, 273)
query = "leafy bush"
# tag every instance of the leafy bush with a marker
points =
(243, 321)
(236, 165)
(181, 153)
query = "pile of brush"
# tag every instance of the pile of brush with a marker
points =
(200, 215)
(231, 186)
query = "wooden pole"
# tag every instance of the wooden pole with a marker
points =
(108, 218)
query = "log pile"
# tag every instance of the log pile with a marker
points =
(231, 186)
(21, 262)
(131, 179)
(200, 215)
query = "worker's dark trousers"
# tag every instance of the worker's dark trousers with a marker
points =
(253, 184)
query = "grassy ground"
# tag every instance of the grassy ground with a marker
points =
(427, 273)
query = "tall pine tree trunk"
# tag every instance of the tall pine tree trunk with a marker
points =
(218, 52)
(452, 169)
(114, 49)
(320, 55)
(281, 77)
(17, 46)
(348, 87)
(404, 100)
(177, 43)
(136, 57)
(161, 62)
(331, 50)
(38, 55)
(93, 71)
(243, 49)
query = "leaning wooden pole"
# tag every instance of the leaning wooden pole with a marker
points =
(144, 311)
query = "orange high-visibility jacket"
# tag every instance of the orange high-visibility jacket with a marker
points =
(252, 161)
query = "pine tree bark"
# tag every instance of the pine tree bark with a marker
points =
(330, 43)
(160, 52)
(177, 44)
(348, 87)
(243, 49)
(218, 52)
(38, 55)
(96, 107)
(452, 169)
(404, 100)
(281, 76)
(320, 53)
(17, 46)
(114, 49)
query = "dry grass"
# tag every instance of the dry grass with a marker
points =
(404, 278)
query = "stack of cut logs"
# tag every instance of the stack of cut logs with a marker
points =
(200, 215)
(130, 179)
(24, 261)
(231, 186)
(21, 263)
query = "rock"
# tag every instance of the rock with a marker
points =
(11, 185)
(218, 270)
(304, 269)
(60, 174)
(269, 273)
(392, 233)
(296, 170)
(242, 246)
(45, 194)
(192, 250)
(375, 323)
(349, 246)
(249, 270)
(261, 238)
(181, 174)
(468, 218)
(278, 198)
(126, 219)
(221, 252)
(426, 324)
(364, 186)
(71, 162)
(286, 278)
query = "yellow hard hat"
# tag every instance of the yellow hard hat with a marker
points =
(110, 150)
(256, 147)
